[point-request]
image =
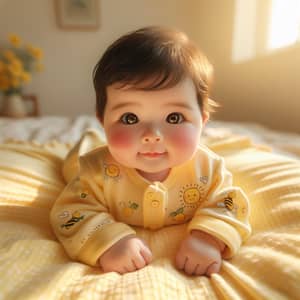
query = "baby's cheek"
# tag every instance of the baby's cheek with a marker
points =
(120, 138)
(185, 138)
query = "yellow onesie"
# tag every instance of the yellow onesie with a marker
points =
(106, 200)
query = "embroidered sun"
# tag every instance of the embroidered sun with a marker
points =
(191, 195)
(112, 170)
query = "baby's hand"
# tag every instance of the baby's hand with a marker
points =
(200, 254)
(127, 255)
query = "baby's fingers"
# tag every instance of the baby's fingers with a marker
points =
(213, 268)
(130, 266)
(190, 267)
(146, 254)
(180, 261)
(139, 262)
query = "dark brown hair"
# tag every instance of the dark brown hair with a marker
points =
(153, 58)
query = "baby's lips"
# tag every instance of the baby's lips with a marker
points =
(152, 154)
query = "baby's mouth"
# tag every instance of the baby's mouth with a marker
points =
(152, 154)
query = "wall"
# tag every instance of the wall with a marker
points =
(65, 87)
(264, 89)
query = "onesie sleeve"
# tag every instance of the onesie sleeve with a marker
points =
(225, 211)
(81, 220)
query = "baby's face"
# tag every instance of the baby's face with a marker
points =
(153, 131)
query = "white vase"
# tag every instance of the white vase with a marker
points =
(14, 106)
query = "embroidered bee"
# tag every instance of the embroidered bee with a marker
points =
(228, 203)
(203, 179)
(76, 217)
(64, 214)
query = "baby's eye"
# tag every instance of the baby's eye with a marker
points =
(175, 118)
(129, 119)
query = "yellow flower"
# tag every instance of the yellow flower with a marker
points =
(15, 82)
(35, 51)
(9, 55)
(179, 217)
(2, 66)
(25, 77)
(15, 40)
(15, 68)
(4, 82)
(17, 64)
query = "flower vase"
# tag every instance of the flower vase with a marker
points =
(14, 106)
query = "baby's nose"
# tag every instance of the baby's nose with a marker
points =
(151, 139)
(152, 136)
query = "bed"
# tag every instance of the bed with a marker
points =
(264, 162)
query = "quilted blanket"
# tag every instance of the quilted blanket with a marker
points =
(33, 264)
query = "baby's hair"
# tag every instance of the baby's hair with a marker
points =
(153, 58)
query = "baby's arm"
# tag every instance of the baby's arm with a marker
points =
(218, 227)
(200, 254)
(127, 255)
(81, 221)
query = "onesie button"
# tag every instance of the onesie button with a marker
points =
(155, 203)
(149, 195)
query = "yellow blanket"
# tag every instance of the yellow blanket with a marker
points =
(33, 264)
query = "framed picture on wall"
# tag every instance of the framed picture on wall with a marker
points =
(77, 14)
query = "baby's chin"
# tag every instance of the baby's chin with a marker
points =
(155, 176)
(153, 167)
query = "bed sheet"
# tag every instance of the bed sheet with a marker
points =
(33, 264)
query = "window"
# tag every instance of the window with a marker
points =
(263, 26)
(285, 23)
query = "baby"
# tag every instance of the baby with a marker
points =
(152, 89)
